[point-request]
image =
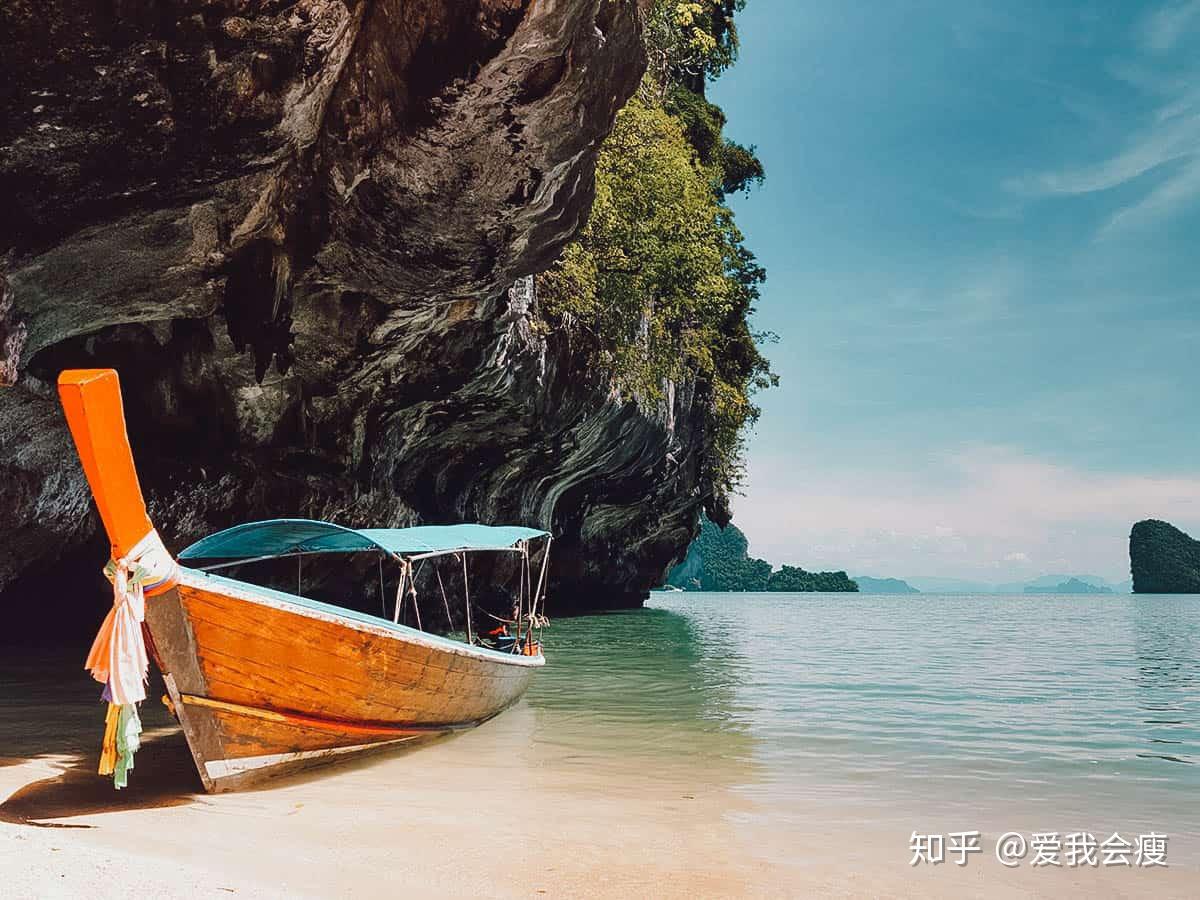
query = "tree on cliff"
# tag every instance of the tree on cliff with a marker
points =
(1163, 559)
(794, 579)
(659, 280)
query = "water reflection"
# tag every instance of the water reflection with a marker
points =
(652, 683)
(967, 703)
(1167, 672)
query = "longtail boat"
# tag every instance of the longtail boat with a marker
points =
(263, 681)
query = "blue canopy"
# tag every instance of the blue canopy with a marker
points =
(280, 537)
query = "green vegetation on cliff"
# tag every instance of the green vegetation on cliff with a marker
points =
(659, 281)
(1163, 559)
(719, 560)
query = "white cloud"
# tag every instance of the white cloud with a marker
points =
(1173, 195)
(1172, 138)
(1162, 29)
(956, 515)
(1167, 133)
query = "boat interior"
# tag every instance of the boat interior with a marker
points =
(483, 585)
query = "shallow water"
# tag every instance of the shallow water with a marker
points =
(1039, 712)
(901, 713)
(1047, 711)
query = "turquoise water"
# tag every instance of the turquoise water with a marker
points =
(1036, 712)
(835, 712)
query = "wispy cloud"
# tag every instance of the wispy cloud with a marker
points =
(1168, 198)
(1166, 140)
(1166, 133)
(1161, 30)
(977, 512)
(936, 307)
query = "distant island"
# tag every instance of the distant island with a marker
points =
(719, 560)
(1070, 586)
(1043, 584)
(1163, 559)
(869, 585)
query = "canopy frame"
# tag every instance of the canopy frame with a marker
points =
(302, 537)
(252, 541)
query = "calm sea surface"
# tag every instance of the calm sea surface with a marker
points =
(894, 713)
(1047, 712)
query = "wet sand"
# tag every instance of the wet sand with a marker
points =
(472, 815)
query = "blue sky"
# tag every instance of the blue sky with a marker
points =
(980, 229)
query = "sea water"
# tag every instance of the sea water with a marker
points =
(1043, 713)
(790, 718)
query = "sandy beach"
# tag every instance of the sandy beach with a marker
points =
(479, 814)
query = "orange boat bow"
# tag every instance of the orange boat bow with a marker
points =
(91, 399)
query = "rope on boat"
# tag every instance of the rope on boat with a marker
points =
(405, 566)
(412, 592)
(445, 599)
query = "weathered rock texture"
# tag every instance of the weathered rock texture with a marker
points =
(1163, 559)
(293, 227)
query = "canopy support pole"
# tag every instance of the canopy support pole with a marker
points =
(382, 595)
(542, 577)
(521, 567)
(412, 591)
(400, 593)
(467, 599)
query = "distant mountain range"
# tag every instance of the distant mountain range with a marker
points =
(1070, 586)
(868, 585)
(1043, 584)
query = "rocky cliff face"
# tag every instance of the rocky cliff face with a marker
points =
(301, 232)
(1163, 559)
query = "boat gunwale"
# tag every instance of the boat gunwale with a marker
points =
(316, 609)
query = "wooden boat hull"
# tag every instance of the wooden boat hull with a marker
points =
(265, 683)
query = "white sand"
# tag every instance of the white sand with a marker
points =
(475, 815)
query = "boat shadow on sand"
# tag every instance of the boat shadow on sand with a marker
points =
(163, 776)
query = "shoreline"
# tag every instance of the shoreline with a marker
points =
(461, 817)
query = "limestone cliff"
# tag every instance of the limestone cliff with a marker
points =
(302, 232)
(1163, 559)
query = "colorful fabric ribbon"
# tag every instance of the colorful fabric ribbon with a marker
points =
(118, 656)
(122, 738)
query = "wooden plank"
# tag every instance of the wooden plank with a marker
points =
(202, 741)
(234, 774)
(275, 688)
(246, 732)
(174, 643)
(272, 658)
